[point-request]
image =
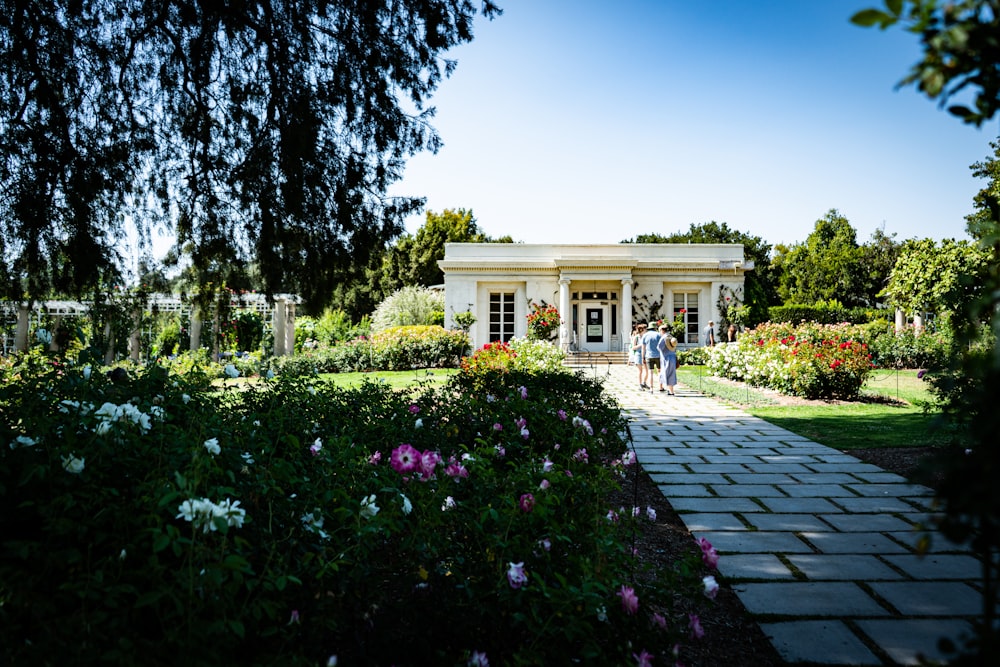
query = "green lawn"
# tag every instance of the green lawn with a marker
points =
(395, 379)
(899, 423)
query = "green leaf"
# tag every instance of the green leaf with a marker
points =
(895, 7)
(866, 18)
(148, 598)
(161, 542)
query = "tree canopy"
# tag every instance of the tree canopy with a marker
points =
(938, 277)
(265, 131)
(830, 265)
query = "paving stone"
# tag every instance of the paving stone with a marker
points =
(838, 457)
(793, 523)
(732, 458)
(808, 598)
(788, 458)
(853, 543)
(800, 505)
(673, 468)
(874, 505)
(754, 451)
(706, 521)
(882, 477)
(938, 542)
(679, 458)
(938, 566)
(783, 468)
(818, 642)
(825, 478)
(684, 491)
(845, 467)
(842, 567)
(724, 468)
(753, 566)
(758, 478)
(755, 542)
(906, 640)
(875, 523)
(747, 491)
(685, 477)
(715, 505)
(897, 490)
(818, 491)
(930, 598)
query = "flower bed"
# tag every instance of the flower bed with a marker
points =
(809, 360)
(290, 522)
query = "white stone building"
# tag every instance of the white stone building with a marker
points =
(600, 290)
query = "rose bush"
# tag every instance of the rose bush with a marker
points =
(146, 517)
(809, 360)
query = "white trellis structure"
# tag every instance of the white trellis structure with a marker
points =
(18, 320)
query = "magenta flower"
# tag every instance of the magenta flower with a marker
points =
(547, 465)
(659, 621)
(295, 617)
(612, 516)
(405, 459)
(414, 408)
(375, 458)
(525, 433)
(562, 415)
(521, 422)
(428, 464)
(524, 392)
(630, 601)
(544, 484)
(643, 659)
(711, 586)
(316, 447)
(516, 575)
(526, 502)
(628, 458)
(455, 469)
(708, 553)
(501, 450)
(545, 543)
(581, 455)
(498, 426)
(694, 623)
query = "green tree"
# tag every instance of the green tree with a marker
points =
(265, 131)
(938, 277)
(758, 288)
(828, 266)
(979, 224)
(413, 260)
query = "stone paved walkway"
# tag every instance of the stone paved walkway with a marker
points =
(818, 545)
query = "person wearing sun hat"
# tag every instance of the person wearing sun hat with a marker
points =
(668, 360)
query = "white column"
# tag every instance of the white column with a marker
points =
(900, 320)
(278, 325)
(918, 321)
(289, 327)
(564, 314)
(195, 329)
(21, 333)
(626, 308)
(134, 339)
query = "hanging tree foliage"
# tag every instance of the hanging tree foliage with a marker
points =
(259, 131)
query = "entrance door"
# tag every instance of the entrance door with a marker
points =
(596, 328)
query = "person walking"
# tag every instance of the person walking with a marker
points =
(710, 334)
(668, 361)
(651, 354)
(640, 357)
(731, 334)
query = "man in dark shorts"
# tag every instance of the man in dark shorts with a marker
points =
(651, 354)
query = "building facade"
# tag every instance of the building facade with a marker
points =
(599, 290)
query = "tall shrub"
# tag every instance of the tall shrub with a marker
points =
(409, 306)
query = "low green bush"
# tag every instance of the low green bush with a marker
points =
(146, 520)
(519, 355)
(911, 348)
(809, 360)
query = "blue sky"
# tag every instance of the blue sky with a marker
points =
(593, 121)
